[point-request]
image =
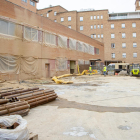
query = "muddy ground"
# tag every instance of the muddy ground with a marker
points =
(93, 107)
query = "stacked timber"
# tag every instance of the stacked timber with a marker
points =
(18, 101)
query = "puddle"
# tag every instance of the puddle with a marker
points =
(125, 127)
(63, 103)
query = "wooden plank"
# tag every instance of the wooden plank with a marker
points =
(33, 136)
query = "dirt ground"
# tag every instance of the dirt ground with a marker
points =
(93, 107)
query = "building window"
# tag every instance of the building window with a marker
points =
(112, 26)
(123, 35)
(139, 3)
(94, 26)
(123, 55)
(30, 34)
(81, 28)
(98, 26)
(91, 26)
(32, 3)
(25, 1)
(101, 16)
(81, 18)
(102, 35)
(98, 17)
(94, 17)
(134, 45)
(113, 55)
(7, 28)
(47, 14)
(91, 17)
(134, 35)
(94, 36)
(112, 35)
(69, 26)
(134, 55)
(102, 26)
(55, 20)
(69, 18)
(123, 25)
(55, 13)
(98, 36)
(134, 25)
(123, 45)
(112, 45)
(91, 36)
(62, 19)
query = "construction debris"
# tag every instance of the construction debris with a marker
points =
(123, 73)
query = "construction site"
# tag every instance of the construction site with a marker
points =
(57, 83)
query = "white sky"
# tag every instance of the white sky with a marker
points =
(115, 6)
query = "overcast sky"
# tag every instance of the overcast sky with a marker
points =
(111, 5)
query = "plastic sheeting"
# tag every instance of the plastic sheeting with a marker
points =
(80, 46)
(97, 51)
(19, 133)
(30, 34)
(61, 64)
(91, 50)
(86, 61)
(7, 27)
(62, 41)
(72, 44)
(80, 62)
(49, 38)
(86, 46)
(16, 64)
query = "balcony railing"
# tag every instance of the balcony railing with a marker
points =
(124, 17)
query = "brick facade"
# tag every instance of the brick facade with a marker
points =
(103, 30)
(25, 4)
(46, 54)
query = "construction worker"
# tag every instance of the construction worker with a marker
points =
(104, 70)
(90, 70)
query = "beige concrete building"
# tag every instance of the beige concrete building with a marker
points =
(118, 31)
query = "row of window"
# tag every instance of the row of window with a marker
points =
(124, 55)
(31, 2)
(124, 45)
(98, 36)
(98, 17)
(123, 25)
(81, 18)
(98, 26)
(48, 14)
(32, 34)
(134, 35)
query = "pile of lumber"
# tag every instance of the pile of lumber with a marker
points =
(18, 101)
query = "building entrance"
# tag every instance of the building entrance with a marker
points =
(72, 67)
